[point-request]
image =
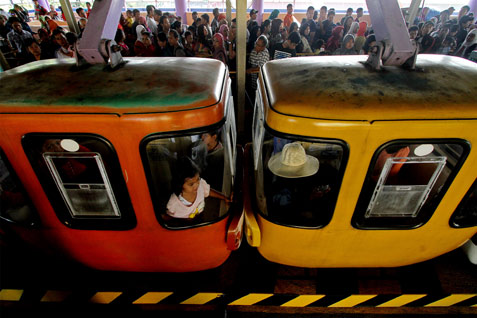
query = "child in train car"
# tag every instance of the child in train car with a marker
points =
(190, 191)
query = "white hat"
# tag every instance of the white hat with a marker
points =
(293, 162)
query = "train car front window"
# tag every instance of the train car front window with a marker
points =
(406, 181)
(298, 180)
(190, 176)
(466, 213)
(15, 206)
(83, 180)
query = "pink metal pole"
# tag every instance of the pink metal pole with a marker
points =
(473, 6)
(44, 4)
(181, 9)
(258, 5)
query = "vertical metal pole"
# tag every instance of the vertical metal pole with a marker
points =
(69, 15)
(44, 4)
(241, 63)
(258, 5)
(228, 11)
(473, 6)
(181, 8)
(413, 9)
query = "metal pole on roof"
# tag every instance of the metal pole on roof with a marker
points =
(473, 6)
(413, 9)
(241, 14)
(228, 11)
(181, 9)
(70, 16)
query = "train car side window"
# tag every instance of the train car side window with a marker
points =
(466, 213)
(83, 180)
(406, 182)
(211, 152)
(15, 205)
(297, 180)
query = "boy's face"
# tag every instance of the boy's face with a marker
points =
(290, 9)
(309, 14)
(146, 40)
(172, 40)
(412, 34)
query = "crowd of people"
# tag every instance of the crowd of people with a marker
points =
(163, 34)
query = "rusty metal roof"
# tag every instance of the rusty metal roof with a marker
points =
(143, 85)
(341, 88)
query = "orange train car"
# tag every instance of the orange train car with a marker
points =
(88, 159)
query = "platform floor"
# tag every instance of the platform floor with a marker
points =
(246, 285)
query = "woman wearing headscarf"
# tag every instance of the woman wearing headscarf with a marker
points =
(219, 48)
(274, 14)
(143, 45)
(469, 44)
(360, 38)
(334, 41)
(224, 30)
(347, 47)
(353, 28)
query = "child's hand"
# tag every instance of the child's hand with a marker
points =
(230, 199)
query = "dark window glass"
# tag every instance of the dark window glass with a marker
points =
(212, 153)
(406, 182)
(15, 205)
(82, 178)
(466, 213)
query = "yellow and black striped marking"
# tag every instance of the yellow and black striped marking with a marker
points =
(248, 299)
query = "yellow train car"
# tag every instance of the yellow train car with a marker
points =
(355, 168)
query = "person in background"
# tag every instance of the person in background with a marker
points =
(304, 46)
(162, 45)
(17, 37)
(219, 48)
(360, 36)
(257, 58)
(347, 47)
(80, 12)
(349, 13)
(334, 41)
(469, 45)
(253, 17)
(177, 48)
(150, 21)
(289, 18)
(144, 46)
(359, 14)
(214, 25)
(66, 50)
(88, 9)
(413, 32)
(287, 47)
(39, 10)
(119, 38)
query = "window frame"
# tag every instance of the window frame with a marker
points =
(463, 202)
(149, 177)
(35, 221)
(340, 175)
(360, 222)
(127, 219)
